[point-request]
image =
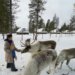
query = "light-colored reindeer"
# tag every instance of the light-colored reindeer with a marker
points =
(40, 45)
(66, 54)
(39, 61)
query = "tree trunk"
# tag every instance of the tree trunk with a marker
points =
(11, 15)
(37, 17)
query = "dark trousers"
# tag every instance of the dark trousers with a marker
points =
(8, 65)
(11, 66)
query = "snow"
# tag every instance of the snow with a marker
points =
(54, 30)
(22, 30)
(73, 31)
(63, 42)
(41, 30)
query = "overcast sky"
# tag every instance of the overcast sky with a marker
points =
(62, 8)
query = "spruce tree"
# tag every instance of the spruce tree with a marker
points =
(41, 24)
(47, 25)
(36, 8)
(6, 15)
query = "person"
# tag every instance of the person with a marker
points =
(10, 54)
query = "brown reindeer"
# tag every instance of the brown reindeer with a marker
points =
(66, 54)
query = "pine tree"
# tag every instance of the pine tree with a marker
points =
(72, 20)
(6, 15)
(52, 26)
(31, 26)
(36, 8)
(47, 25)
(63, 27)
(41, 24)
(12, 11)
(56, 20)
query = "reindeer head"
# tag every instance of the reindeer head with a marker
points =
(39, 46)
(26, 49)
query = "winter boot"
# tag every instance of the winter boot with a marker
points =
(8, 65)
(13, 67)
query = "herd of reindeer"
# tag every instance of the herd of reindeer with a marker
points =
(43, 54)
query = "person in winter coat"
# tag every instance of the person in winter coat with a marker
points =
(10, 54)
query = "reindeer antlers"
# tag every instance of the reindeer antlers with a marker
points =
(22, 44)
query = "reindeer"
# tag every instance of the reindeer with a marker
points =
(39, 61)
(66, 54)
(40, 45)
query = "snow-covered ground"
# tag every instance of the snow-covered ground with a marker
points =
(63, 42)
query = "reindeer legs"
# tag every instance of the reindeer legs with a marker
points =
(48, 72)
(51, 68)
(67, 63)
(61, 65)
